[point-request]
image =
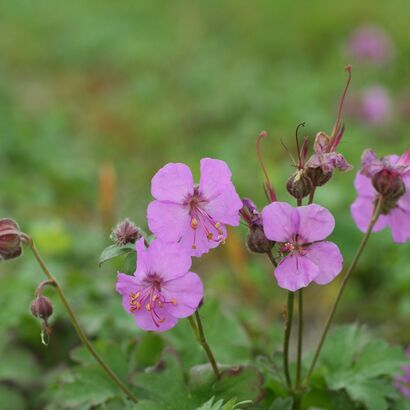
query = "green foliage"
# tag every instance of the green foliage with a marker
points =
(113, 251)
(363, 370)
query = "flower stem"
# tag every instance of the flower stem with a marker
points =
(375, 216)
(286, 339)
(311, 196)
(300, 338)
(198, 330)
(76, 324)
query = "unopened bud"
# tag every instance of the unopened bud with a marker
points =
(10, 239)
(126, 232)
(318, 176)
(257, 241)
(41, 307)
(299, 184)
(389, 184)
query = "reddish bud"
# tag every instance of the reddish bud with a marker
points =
(41, 307)
(10, 239)
(126, 232)
(257, 241)
(389, 184)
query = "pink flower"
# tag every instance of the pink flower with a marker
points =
(402, 383)
(301, 232)
(372, 44)
(193, 215)
(162, 290)
(375, 105)
(390, 174)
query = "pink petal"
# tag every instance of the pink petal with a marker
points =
(399, 220)
(168, 221)
(224, 208)
(188, 292)
(173, 182)
(144, 320)
(362, 209)
(280, 221)
(215, 176)
(202, 243)
(327, 256)
(142, 258)
(127, 284)
(364, 186)
(295, 272)
(169, 260)
(315, 223)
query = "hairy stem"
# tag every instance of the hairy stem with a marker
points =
(198, 330)
(375, 216)
(76, 324)
(286, 338)
(300, 338)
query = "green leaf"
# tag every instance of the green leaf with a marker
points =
(149, 349)
(148, 405)
(372, 393)
(88, 386)
(165, 383)
(341, 346)
(378, 358)
(10, 399)
(282, 404)
(14, 365)
(110, 351)
(226, 336)
(211, 405)
(113, 251)
(241, 383)
(244, 383)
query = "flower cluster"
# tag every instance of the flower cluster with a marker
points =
(187, 220)
(388, 177)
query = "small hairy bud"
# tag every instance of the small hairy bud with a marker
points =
(126, 232)
(10, 239)
(299, 184)
(389, 184)
(318, 176)
(41, 307)
(257, 241)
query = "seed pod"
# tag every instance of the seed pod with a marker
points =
(389, 184)
(10, 240)
(299, 184)
(41, 307)
(317, 176)
(257, 241)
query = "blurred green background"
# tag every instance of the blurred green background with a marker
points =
(96, 96)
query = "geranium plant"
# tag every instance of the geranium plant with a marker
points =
(347, 369)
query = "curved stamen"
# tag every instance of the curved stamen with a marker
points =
(150, 298)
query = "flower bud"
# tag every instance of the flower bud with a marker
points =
(299, 184)
(41, 307)
(318, 176)
(257, 241)
(10, 239)
(126, 232)
(389, 184)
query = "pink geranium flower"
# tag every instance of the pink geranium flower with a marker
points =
(301, 232)
(390, 170)
(193, 215)
(162, 290)
(371, 43)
